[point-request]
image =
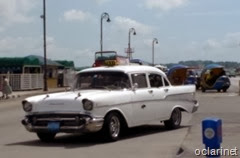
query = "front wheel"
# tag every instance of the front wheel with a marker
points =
(175, 119)
(112, 127)
(46, 137)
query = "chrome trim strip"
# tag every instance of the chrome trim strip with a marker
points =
(56, 112)
(150, 100)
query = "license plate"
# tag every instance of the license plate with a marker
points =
(53, 126)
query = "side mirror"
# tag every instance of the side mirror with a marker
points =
(135, 86)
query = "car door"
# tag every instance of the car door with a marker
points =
(158, 95)
(169, 100)
(141, 100)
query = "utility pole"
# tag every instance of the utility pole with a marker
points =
(45, 88)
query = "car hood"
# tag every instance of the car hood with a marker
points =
(64, 101)
(71, 95)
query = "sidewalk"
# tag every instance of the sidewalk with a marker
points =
(18, 94)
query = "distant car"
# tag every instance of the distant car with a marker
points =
(107, 99)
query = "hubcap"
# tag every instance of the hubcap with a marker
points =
(114, 126)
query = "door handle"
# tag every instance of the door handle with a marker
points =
(150, 91)
(166, 90)
(143, 106)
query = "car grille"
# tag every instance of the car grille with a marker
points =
(64, 119)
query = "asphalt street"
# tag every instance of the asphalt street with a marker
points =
(141, 142)
(224, 106)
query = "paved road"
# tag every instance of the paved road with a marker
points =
(148, 141)
(222, 105)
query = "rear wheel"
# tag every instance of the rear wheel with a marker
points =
(46, 137)
(112, 127)
(219, 90)
(203, 89)
(225, 90)
(175, 120)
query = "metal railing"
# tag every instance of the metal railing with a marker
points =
(23, 81)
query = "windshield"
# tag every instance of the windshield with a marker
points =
(101, 80)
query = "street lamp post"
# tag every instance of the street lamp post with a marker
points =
(131, 30)
(44, 47)
(155, 40)
(103, 16)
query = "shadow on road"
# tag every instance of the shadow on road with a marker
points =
(77, 140)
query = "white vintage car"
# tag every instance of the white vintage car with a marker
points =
(106, 99)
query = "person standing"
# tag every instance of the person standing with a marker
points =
(6, 88)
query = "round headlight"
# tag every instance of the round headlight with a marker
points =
(27, 106)
(87, 105)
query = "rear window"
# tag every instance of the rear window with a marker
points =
(155, 80)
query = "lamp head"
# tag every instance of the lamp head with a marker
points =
(134, 33)
(155, 40)
(108, 20)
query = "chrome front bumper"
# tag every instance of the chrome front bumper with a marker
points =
(74, 123)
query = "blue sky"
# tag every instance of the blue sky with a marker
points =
(185, 29)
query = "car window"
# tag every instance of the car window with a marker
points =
(140, 80)
(103, 80)
(166, 83)
(155, 80)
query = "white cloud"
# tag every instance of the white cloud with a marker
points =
(50, 40)
(230, 40)
(213, 13)
(2, 29)
(217, 49)
(23, 46)
(164, 4)
(124, 24)
(148, 42)
(102, 1)
(76, 15)
(211, 44)
(16, 11)
(19, 46)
